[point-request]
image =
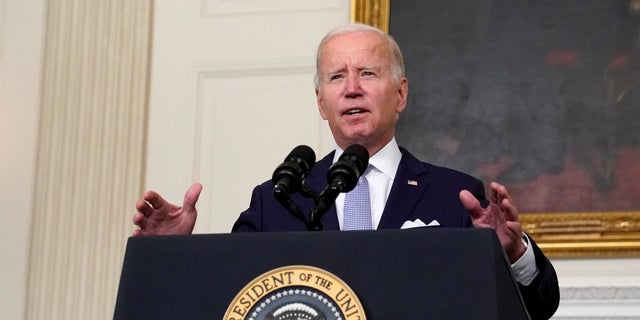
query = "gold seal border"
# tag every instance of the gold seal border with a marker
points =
(296, 276)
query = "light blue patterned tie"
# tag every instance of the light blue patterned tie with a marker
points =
(357, 207)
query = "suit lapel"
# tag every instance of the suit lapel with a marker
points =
(408, 188)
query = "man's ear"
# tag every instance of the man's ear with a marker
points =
(320, 103)
(403, 92)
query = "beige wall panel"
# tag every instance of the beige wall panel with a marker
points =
(89, 155)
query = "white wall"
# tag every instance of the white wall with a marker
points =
(598, 288)
(21, 42)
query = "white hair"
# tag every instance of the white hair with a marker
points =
(397, 62)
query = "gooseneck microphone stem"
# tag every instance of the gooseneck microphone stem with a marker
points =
(323, 203)
(289, 175)
(342, 177)
(314, 223)
(286, 201)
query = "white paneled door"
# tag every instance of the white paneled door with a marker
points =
(231, 94)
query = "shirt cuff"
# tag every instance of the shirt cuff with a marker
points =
(525, 269)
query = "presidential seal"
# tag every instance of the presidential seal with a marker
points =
(295, 293)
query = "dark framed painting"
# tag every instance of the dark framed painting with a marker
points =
(542, 96)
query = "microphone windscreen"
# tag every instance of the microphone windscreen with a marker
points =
(358, 155)
(303, 155)
(344, 173)
(288, 176)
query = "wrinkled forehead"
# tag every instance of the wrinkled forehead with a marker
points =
(356, 49)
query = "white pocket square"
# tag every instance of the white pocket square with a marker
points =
(418, 223)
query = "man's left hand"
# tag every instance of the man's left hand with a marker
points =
(501, 215)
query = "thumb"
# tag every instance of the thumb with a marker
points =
(470, 203)
(191, 197)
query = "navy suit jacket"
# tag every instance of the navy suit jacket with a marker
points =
(420, 191)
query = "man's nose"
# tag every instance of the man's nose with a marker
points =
(353, 86)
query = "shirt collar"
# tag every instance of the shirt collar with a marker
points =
(386, 160)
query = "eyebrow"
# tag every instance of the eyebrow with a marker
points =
(359, 69)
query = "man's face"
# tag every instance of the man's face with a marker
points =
(357, 94)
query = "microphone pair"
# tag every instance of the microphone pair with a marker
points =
(342, 176)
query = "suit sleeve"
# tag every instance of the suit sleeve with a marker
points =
(542, 295)
(250, 219)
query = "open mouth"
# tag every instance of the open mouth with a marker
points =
(354, 111)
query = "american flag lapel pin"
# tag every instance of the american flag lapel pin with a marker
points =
(412, 183)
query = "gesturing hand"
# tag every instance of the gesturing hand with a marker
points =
(156, 216)
(501, 215)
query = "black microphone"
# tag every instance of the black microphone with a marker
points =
(344, 174)
(288, 176)
(342, 177)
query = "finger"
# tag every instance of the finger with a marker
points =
(511, 213)
(140, 220)
(191, 197)
(501, 192)
(504, 200)
(471, 204)
(515, 229)
(493, 194)
(154, 199)
(144, 207)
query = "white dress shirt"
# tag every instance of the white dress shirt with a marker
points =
(380, 174)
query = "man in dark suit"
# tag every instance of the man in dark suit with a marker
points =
(361, 90)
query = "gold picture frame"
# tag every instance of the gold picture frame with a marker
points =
(560, 235)
(372, 12)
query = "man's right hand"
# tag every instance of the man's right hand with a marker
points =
(156, 216)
